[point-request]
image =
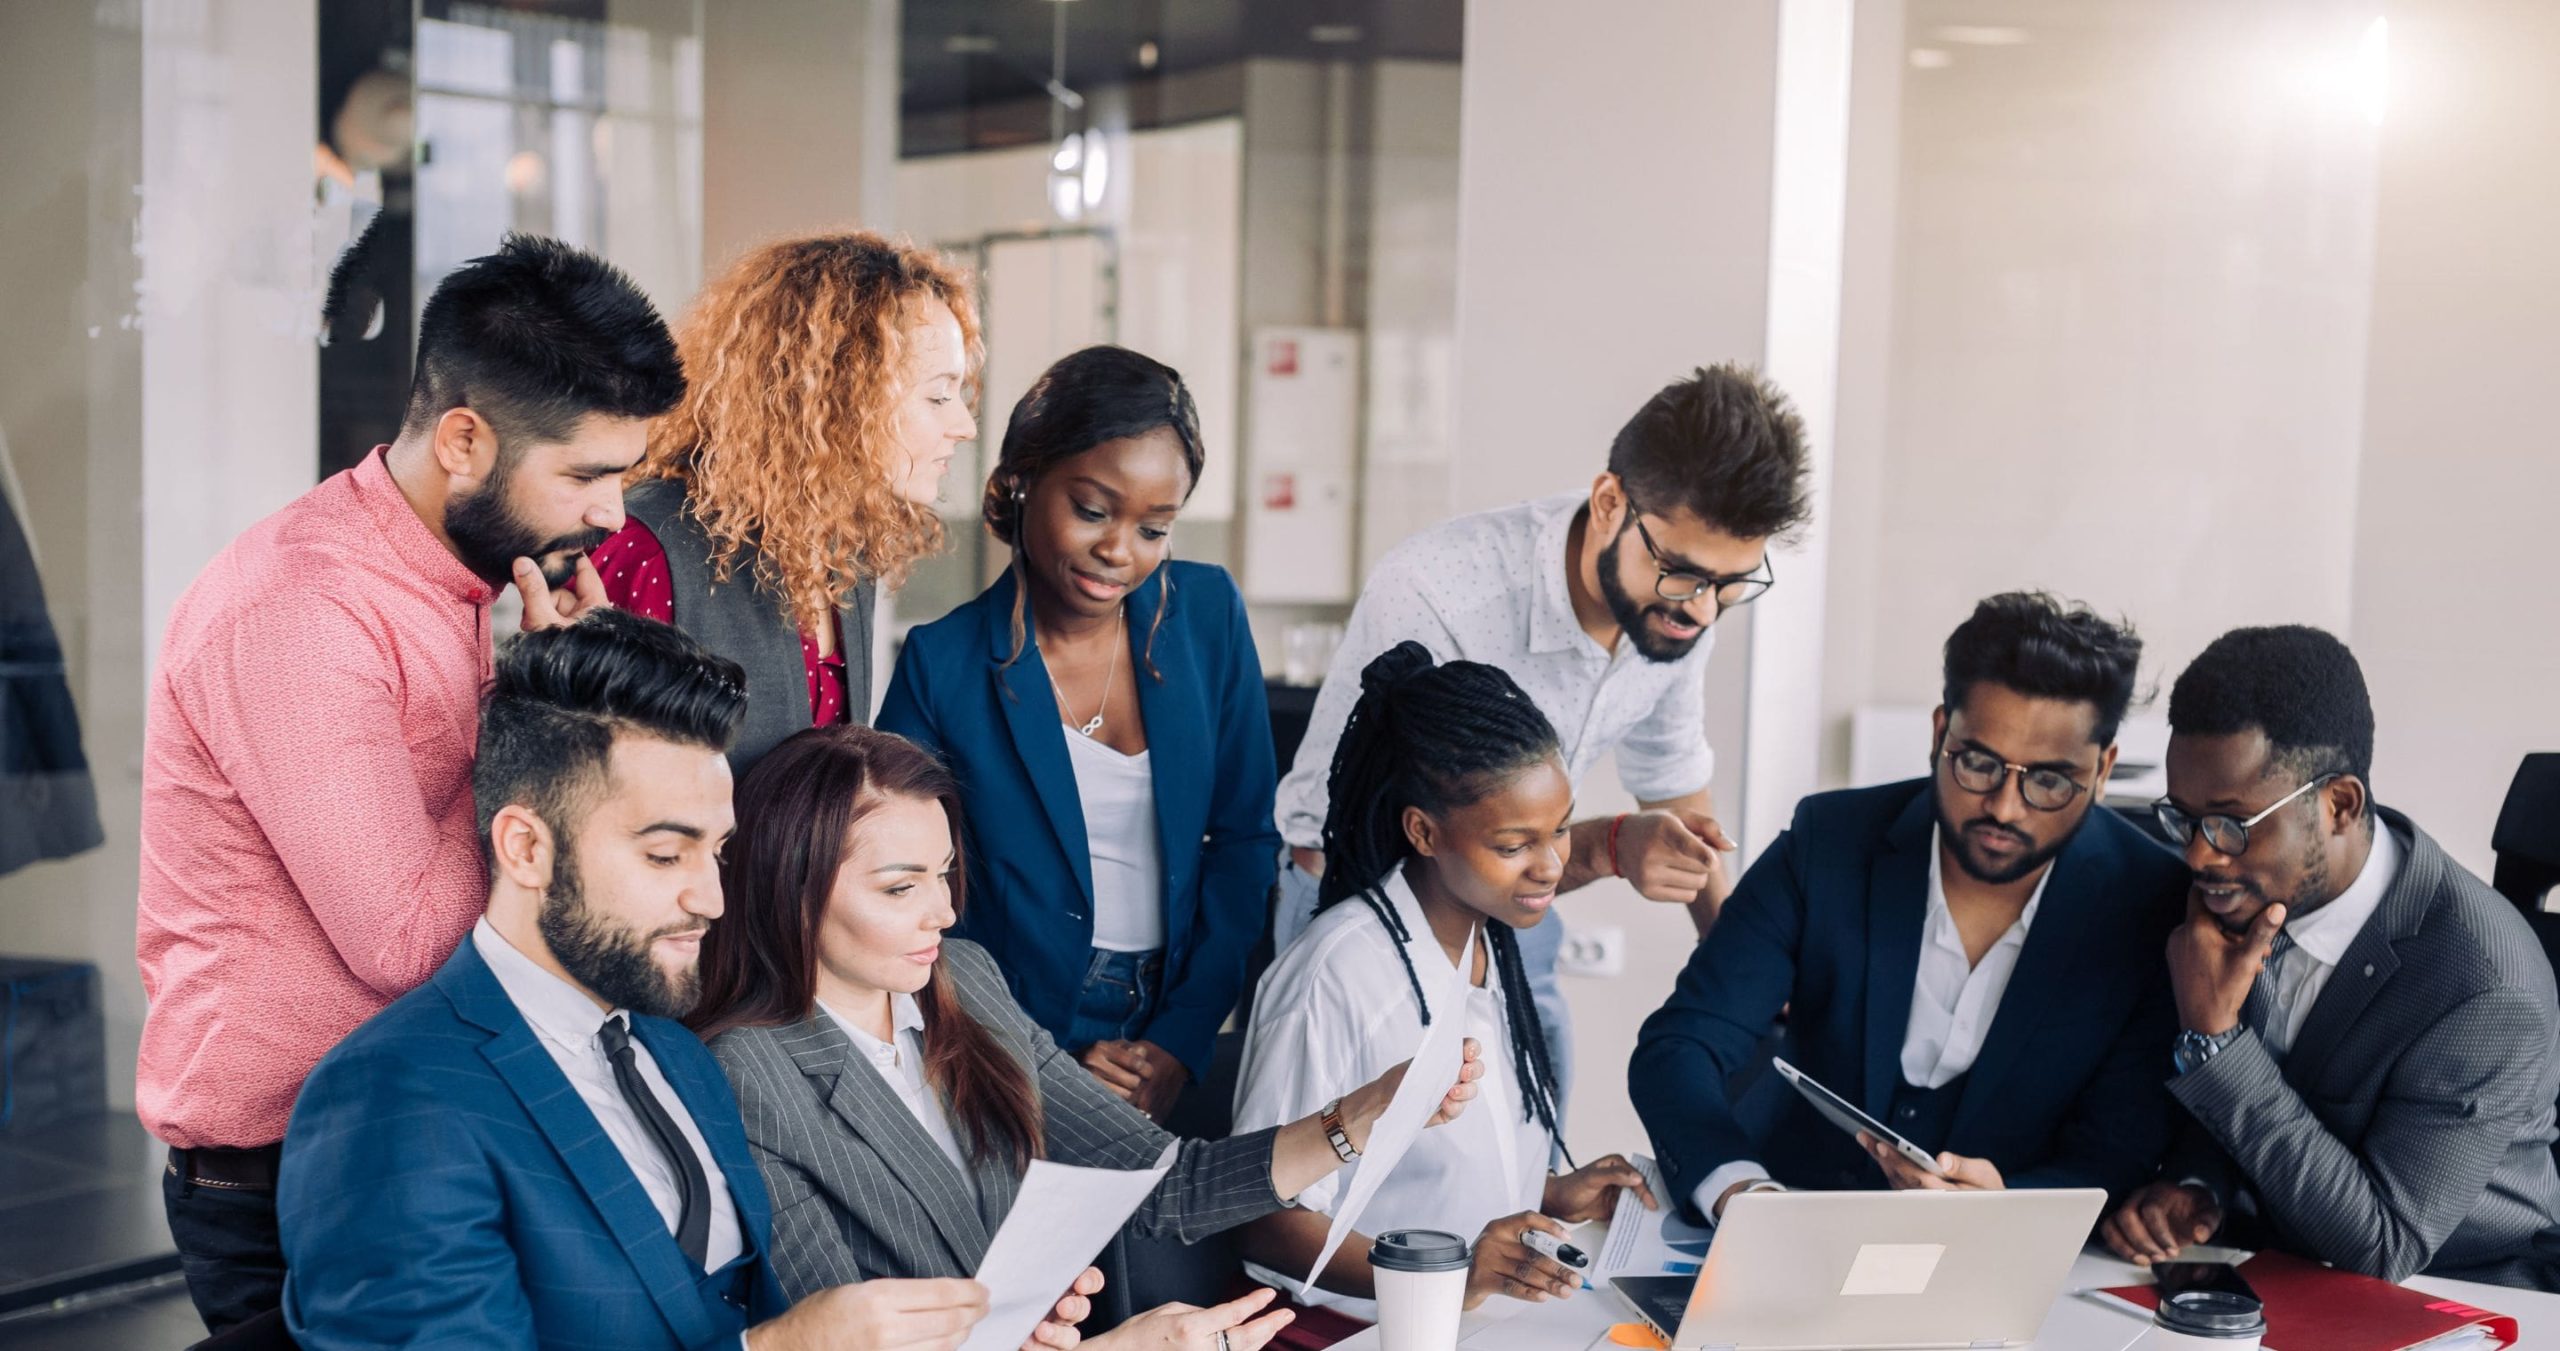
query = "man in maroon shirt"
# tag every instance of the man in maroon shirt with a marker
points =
(308, 846)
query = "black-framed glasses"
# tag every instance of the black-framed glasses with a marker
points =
(1683, 584)
(2229, 835)
(2044, 788)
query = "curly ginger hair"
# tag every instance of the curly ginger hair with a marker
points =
(787, 437)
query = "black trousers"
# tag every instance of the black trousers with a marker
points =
(227, 1246)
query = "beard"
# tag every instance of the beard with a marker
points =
(1630, 616)
(609, 958)
(489, 534)
(2310, 893)
(1984, 871)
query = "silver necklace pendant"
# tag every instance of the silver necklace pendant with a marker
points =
(1092, 725)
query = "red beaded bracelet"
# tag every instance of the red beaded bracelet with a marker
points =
(1615, 822)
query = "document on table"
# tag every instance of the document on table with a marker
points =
(1426, 1081)
(1650, 1242)
(1059, 1223)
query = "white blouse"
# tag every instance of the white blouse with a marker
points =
(1118, 794)
(1336, 1011)
(901, 1066)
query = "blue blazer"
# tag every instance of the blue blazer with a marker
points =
(444, 1185)
(1030, 894)
(2068, 1090)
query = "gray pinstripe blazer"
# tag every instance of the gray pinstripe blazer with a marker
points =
(2411, 1126)
(860, 1191)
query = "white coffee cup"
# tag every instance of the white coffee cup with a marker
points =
(1422, 1288)
(2207, 1320)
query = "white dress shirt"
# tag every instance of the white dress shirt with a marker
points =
(566, 1022)
(1118, 794)
(1491, 588)
(901, 1065)
(1953, 1000)
(2321, 938)
(1337, 1011)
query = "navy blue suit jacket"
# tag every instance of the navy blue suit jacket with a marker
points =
(2068, 1088)
(1030, 894)
(443, 1184)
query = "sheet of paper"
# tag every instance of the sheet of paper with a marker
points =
(1650, 1242)
(1059, 1223)
(1434, 1069)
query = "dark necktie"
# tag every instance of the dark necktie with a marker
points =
(2260, 1011)
(693, 1189)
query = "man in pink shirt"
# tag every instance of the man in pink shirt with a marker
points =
(308, 846)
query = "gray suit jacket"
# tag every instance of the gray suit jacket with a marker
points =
(2411, 1126)
(860, 1191)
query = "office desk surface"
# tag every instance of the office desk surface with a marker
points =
(2077, 1322)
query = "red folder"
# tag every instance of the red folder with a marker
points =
(2315, 1308)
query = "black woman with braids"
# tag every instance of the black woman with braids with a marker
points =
(1445, 836)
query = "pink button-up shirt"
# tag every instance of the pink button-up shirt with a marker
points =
(309, 851)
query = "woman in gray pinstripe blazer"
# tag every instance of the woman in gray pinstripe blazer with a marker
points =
(893, 1091)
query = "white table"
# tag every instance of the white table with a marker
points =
(2077, 1322)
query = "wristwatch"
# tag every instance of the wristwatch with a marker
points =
(1335, 1133)
(2194, 1048)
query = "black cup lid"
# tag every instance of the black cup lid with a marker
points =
(2212, 1313)
(1418, 1250)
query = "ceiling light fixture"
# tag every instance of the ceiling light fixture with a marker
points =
(1982, 35)
(1334, 34)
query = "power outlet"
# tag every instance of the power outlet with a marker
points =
(1596, 950)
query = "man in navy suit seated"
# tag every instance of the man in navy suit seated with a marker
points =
(1973, 957)
(525, 1151)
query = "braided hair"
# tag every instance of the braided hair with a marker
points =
(1435, 737)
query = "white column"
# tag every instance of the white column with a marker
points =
(799, 120)
(1614, 221)
(1808, 220)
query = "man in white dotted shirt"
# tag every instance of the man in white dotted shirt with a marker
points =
(1601, 605)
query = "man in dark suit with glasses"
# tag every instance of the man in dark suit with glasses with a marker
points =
(1973, 957)
(2369, 1048)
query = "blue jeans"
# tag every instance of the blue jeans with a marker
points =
(1121, 991)
(1538, 949)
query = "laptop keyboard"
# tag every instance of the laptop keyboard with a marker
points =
(1661, 1299)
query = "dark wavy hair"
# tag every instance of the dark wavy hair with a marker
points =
(799, 811)
(1085, 398)
(536, 336)
(2039, 645)
(2297, 684)
(1726, 445)
(562, 695)
(1435, 737)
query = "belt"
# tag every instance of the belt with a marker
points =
(238, 1169)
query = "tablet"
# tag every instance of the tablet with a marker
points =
(1841, 1112)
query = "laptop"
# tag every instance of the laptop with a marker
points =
(1872, 1271)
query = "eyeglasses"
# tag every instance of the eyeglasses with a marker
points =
(1681, 584)
(2227, 834)
(2046, 790)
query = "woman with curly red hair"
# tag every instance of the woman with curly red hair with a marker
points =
(829, 383)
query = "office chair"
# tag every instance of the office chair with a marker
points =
(2527, 841)
(266, 1332)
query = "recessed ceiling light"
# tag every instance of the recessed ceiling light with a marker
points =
(1334, 34)
(969, 44)
(1148, 56)
(1982, 35)
(1930, 58)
